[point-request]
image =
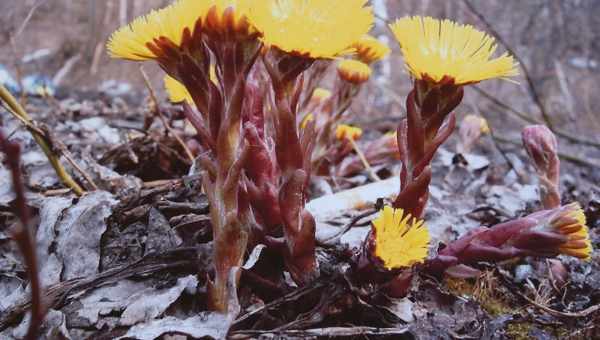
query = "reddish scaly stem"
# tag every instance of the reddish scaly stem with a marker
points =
(428, 125)
(544, 233)
(292, 152)
(22, 235)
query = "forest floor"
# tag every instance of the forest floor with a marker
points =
(130, 259)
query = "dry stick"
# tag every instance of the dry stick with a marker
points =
(335, 237)
(45, 133)
(532, 90)
(23, 236)
(364, 161)
(13, 45)
(328, 332)
(510, 163)
(100, 46)
(525, 117)
(17, 110)
(568, 157)
(158, 113)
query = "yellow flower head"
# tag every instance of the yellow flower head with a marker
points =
(354, 71)
(400, 240)
(344, 132)
(135, 41)
(230, 18)
(307, 119)
(321, 94)
(570, 222)
(176, 91)
(441, 49)
(370, 50)
(312, 28)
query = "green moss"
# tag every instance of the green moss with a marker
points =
(484, 291)
(521, 330)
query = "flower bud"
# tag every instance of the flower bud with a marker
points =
(344, 132)
(354, 72)
(370, 50)
(541, 146)
(399, 240)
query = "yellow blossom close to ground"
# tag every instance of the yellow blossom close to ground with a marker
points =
(344, 132)
(354, 71)
(370, 50)
(312, 28)
(437, 49)
(400, 240)
(131, 41)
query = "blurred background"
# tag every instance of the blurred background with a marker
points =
(63, 42)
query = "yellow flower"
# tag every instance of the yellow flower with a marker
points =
(370, 50)
(344, 131)
(132, 41)
(176, 91)
(435, 50)
(570, 222)
(400, 240)
(354, 71)
(308, 118)
(312, 28)
(321, 94)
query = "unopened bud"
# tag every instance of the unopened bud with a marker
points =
(354, 72)
(541, 146)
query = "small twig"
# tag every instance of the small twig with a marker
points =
(568, 157)
(28, 17)
(333, 238)
(330, 332)
(521, 176)
(295, 295)
(549, 310)
(158, 113)
(69, 157)
(23, 236)
(560, 133)
(18, 112)
(364, 161)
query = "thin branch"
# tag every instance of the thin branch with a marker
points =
(330, 332)
(41, 139)
(560, 133)
(566, 156)
(333, 238)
